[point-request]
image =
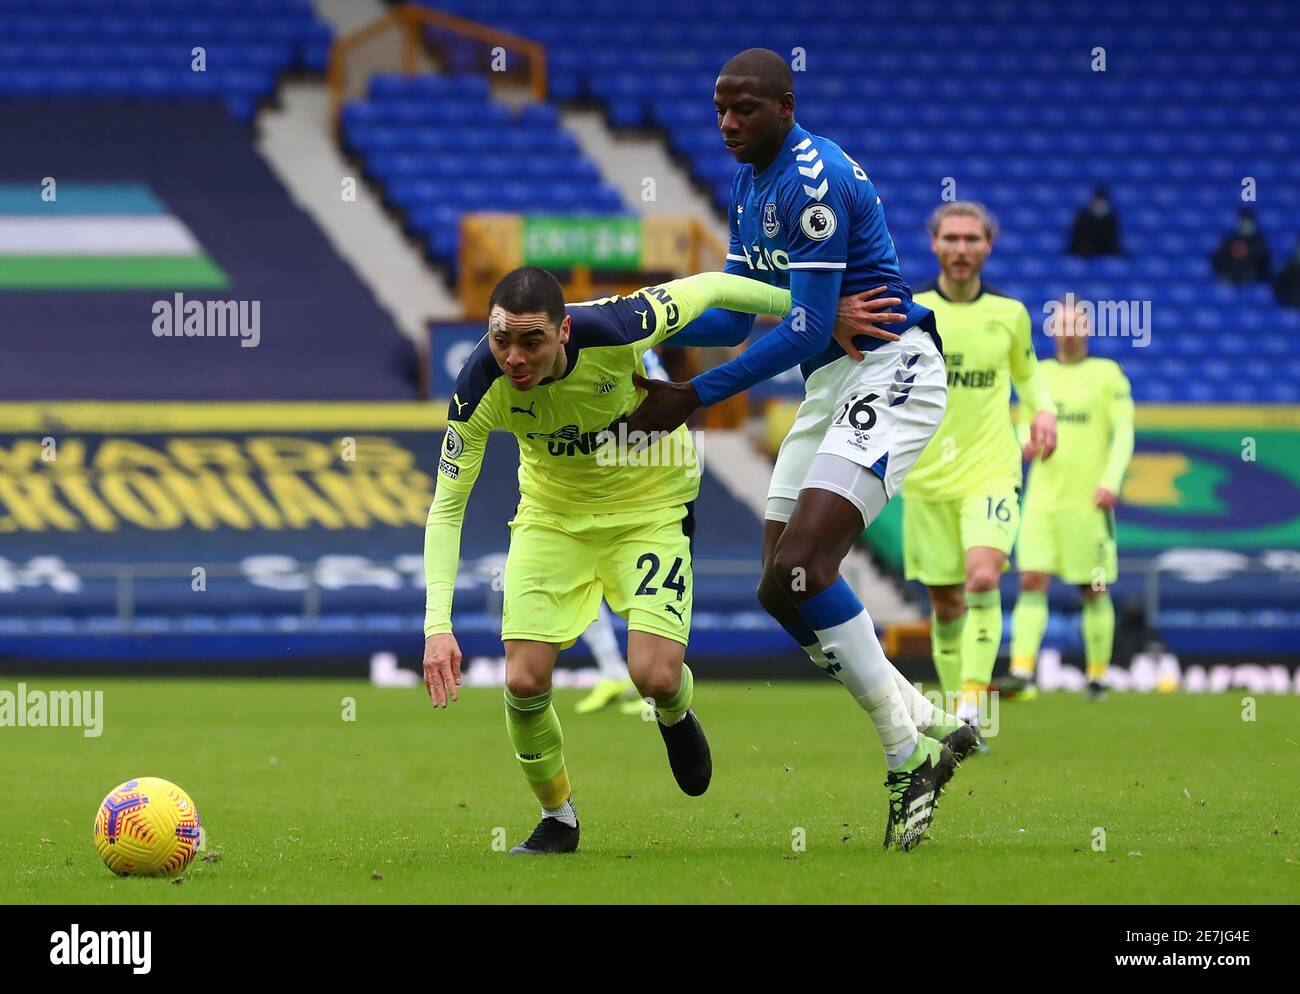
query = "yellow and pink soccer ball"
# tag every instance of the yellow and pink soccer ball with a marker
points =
(147, 827)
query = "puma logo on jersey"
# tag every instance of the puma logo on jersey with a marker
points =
(459, 406)
(645, 319)
(673, 610)
(525, 410)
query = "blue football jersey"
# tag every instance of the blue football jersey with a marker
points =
(815, 208)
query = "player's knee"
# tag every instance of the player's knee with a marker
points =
(948, 604)
(1034, 583)
(982, 580)
(658, 681)
(802, 569)
(521, 683)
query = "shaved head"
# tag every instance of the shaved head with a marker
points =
(754, 98)
(773, 75)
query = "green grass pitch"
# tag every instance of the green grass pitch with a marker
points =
(404, 804)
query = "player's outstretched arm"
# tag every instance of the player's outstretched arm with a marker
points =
(712, 309)
(1121, 443)
(815, 295)
(804, 333)
(716, 328)
(864, 313)
(687, 299)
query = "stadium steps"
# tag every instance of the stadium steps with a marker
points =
(626, 160)
(345, 16)
(309, 164)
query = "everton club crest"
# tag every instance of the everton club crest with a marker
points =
(770, 224)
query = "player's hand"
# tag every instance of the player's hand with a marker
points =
(441, 668)
(1105, 499)
(666, 405)
(1042, 436)
(863, 314)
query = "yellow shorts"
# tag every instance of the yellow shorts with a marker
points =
(936, 534)
(561, 565)
(1077, 544)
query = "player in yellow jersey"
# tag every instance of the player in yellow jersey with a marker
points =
(614, 685)
(1067, 527)
(961, 501)
(600, 516)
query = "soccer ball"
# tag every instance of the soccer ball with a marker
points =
(147, 828)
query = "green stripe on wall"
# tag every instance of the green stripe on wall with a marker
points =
(64, 272)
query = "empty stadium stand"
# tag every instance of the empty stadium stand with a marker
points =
(439, 147)
(150, 48)
(1005, 101)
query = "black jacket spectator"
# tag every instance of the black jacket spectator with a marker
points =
(1287, 285)
(1243, 255)
(1096, 228)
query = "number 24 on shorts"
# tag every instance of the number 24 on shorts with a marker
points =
(673, 581)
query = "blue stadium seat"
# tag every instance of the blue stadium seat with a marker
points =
(415, 134)
(979, 93)
(144, 48)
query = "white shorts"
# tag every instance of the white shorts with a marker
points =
(879, 413)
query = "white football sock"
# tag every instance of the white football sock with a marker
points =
(565, 813)
(870, 678)
(924, 714)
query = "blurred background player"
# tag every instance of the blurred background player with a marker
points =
(962, 498)
(1067, 528)
(615, 684)
(588, 526)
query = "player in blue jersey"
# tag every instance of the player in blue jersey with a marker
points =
(804, 215)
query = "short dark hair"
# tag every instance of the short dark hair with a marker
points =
(774, 77)
(529, 290)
